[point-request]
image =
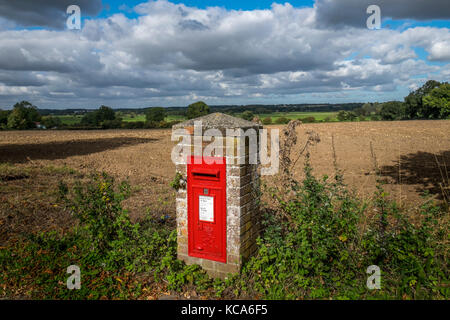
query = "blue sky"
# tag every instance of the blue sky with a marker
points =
(114, 5)
(171, 53)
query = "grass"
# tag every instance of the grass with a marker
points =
(274, 115)
(128, 117)
(175, 118)
(135, 118)
(296, 115)
(70, 119)
(76, 119)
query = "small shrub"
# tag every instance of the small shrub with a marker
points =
(308, 120)
(267, 121)
(282, 120)
(177, 181)
(247, 115)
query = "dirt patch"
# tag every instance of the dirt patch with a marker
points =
(404, 151)
(28, 202)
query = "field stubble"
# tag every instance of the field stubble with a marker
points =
(410, 155)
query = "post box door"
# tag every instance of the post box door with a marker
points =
(207, 211)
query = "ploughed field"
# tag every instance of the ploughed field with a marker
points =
(411, 157)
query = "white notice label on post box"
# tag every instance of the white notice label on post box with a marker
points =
(206, 208)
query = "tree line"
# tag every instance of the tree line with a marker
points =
(25, 115)
(431, 101)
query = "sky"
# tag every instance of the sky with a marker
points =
(135, 54)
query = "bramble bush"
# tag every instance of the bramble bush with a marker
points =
(314, 247)
(307, 248)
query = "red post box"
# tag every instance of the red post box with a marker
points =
(206, 201)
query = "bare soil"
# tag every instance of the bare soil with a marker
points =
(411, 156)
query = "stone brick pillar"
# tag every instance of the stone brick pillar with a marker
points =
(242, 190)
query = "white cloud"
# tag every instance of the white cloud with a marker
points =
(172, 53)
(440, 51)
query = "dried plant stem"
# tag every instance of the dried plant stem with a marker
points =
(374, 160)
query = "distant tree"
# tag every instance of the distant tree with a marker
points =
(342, 115)
(51, 122)
(197, 109)
(267, 121)
(360, 112)
(133, 125)
(351, 116)
(438, 100)
(105, 113)
(90, 119)
(112, 124)
(414, 106)
(247, 115)
(367, 107)
(4, 118)
(392, 110)
(346, 115)
(155, 114)
(96, 118)
(23, 116)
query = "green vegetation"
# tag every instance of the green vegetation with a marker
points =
(104, 117)
(134, 118)
(393, 110)
(247, 115)
(69, 120)
(267, 121)
(51, 122)
(177, 181)
(414, 101)
(282, 120)
(110, 250)
(197, 109)
(318, 116)
(308, 120)
(4, 119)
(438, 100)
(431, 101)
(346, 116)
(156, 114)
(23, 116)
(316, 245)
